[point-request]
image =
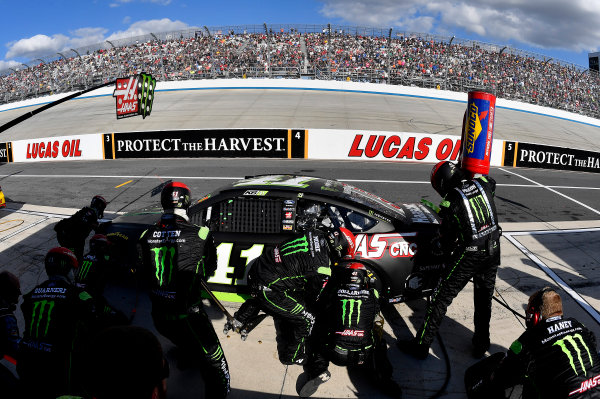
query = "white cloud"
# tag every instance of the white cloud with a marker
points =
(145, 27)
(4, 65)
(43, 45)
(552, 24)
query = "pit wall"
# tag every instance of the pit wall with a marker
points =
(297, 143)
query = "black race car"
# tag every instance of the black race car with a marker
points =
(398, 242)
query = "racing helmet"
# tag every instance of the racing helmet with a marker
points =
(354, 276)
(10, 288)
(341, 243)
(542, 304)
(99, 244)
(99, 205)
(175, 195)
(60, 261)
(445, 175)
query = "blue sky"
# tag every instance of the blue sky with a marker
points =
(553, 28)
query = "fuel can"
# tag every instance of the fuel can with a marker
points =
(478, 133)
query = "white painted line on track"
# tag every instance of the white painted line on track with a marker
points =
(35, 213)
(559, 231)
(560, 282)
(535, 185)
(554, 191)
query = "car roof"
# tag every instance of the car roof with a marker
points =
(311, 185)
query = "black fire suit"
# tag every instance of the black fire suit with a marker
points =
(9, 344)
(345, 330)
(91, 276)
(57, 317)
(555, 359)
(471, 243)
(285, 281)
(72, 232)
(178, 255)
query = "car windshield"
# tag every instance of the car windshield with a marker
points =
(374, 202)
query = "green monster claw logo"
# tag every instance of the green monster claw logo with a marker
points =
(41, 307)
(478, 205)
(160, 255)
(351, 303)
(565, 348)
(85, 269)
(292, 247)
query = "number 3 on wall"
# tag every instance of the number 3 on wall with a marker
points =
(224, 251)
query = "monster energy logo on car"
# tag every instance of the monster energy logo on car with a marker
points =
(562, 343)
(351, 303)
(146, 85)
(42, 308)
(292, 247)
(85, 268)
(479, 207)
(160, 255)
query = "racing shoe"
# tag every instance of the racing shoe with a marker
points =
(313, 384)
(413, 348)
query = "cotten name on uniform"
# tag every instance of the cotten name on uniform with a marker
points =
(166, 234)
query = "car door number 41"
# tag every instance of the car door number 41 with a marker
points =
(225, 269)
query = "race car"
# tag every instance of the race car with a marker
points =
(397, 242)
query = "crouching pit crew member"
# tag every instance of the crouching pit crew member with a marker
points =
(286, 280)
(556, 357)
(346, 331)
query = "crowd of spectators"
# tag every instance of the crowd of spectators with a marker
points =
(337, 55)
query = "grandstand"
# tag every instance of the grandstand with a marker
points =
(314, 52)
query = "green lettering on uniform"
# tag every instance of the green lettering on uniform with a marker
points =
(351, 303)
(567, 351)
(324, 270)
(160, 255)
(41, 307)
(292, 247)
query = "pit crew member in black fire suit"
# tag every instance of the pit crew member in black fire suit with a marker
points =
(556, 357)
(346, 331)
(471, 244)
(10, 290)
(57, 317)
(92, 277)
(286, 280)
(178, 254)
(73, 231)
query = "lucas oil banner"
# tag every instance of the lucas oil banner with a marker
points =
(134, 95)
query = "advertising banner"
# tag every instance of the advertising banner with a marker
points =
(546, 157)
(6, 152)
(65, 148)
(388, 146)
(251, 143)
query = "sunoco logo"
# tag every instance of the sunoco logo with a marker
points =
(473, 126)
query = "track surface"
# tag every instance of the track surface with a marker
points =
(297, 109)
(528, 200)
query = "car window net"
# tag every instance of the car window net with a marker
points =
(249, 215)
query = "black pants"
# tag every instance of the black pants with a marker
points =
(463, 265)
(293, 323)
(194, 334)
